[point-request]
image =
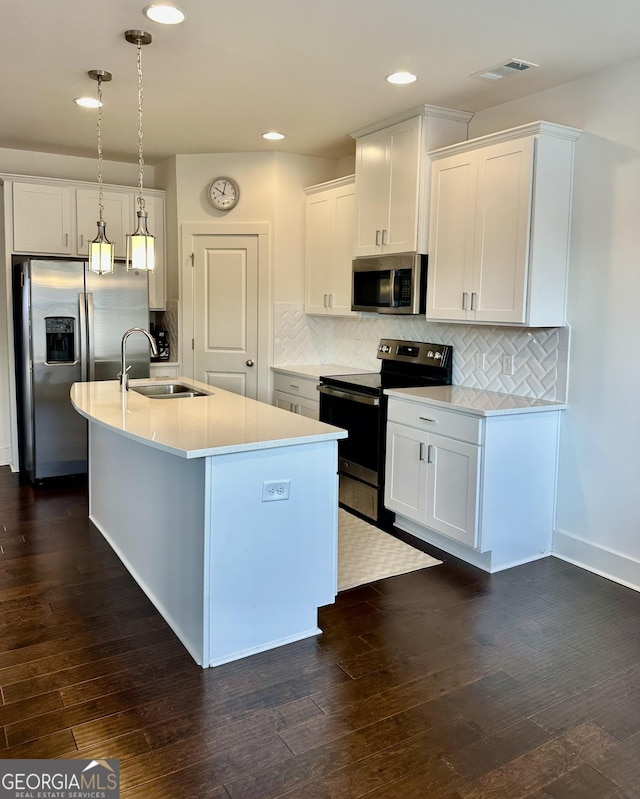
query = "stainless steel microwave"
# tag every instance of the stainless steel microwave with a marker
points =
(394, 284)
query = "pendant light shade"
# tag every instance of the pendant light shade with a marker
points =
(100, 249)
(140, 243)
(101, 252)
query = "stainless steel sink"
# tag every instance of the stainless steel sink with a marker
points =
(168, 391)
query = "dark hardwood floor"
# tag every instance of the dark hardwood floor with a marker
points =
(445, 682)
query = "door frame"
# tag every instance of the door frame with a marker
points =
(265, 318)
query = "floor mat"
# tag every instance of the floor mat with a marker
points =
(366, 553)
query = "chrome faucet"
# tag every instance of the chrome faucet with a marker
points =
(124, 369)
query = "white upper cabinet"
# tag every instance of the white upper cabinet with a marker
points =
(118, 216)
(499, 227)
(59, 217)
(392, 178)
(42, 219)
(330, 221)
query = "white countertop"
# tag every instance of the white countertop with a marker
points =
(475, 400)
(195, 427)
(317, 370)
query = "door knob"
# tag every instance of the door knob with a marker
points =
(249, 362)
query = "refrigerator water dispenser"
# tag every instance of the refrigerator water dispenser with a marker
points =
(60, 333)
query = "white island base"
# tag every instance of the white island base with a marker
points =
(230, 573)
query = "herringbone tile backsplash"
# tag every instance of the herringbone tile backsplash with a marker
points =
(540, 355)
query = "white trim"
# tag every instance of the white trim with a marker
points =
(290, 639)
(5, 458)
(532, 129)
(415, 111)
(336, 183)
(265, 312)
(616, 566)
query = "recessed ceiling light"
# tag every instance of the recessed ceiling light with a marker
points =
(87, 102)
(273, 135)
(400, 78)
(165, 14)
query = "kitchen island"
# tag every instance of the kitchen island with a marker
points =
(223, 509)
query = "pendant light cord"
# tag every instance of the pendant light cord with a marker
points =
(140, 156)
(100, 192)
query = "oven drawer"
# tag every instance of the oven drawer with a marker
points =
(298, 386)
(462, 426)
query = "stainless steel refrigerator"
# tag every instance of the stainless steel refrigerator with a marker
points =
(68, 325)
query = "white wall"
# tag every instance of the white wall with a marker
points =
(68, 167)
(598, 521)
(270, 191)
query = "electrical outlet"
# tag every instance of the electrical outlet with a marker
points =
(274, 490)
(481, 361)
(507, 364)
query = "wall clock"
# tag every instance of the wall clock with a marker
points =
(224, 193)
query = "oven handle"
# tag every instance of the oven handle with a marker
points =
(363, 399)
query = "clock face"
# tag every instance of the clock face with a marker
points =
(224, 193)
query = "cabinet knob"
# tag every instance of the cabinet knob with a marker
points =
(249, 362)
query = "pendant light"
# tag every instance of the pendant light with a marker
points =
(140, 244)
(100, 249)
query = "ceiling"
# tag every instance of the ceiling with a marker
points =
(313, 70)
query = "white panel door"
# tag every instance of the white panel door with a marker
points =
(319, 252)
(372, 192)
(406, 471)
(225, 294)
(401, 227)
(451, 234)
(118, 218)
(41, 219)
(503, 213)
(453, 482)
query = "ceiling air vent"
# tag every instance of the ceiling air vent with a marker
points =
(512, 67)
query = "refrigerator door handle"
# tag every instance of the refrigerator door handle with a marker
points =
(91, 355)
(82, 334)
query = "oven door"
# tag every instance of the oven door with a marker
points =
(359, 455)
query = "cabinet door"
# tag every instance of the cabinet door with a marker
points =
(157, 279)
(284, 401)
(117, 216)
(452, 492)
(319, 231)
(451, 236)
(404, 156)
(41, 219)
(405, 490)
(372, 191)
(503, 214)
(343, 235)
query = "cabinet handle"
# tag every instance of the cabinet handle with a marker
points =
(430, 453)
(66, 239)
(384, 238)
(426, 419)
(378, 238)
(293, 385)
(296, 408)
(330, 300)
(423, 449)
(82, 241)
(465, 296)
(474, 297)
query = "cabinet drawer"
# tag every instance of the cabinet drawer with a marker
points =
(298, 386)
(462, 426)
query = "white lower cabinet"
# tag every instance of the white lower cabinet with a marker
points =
(481, 488)
(434, 481)
(296, 394)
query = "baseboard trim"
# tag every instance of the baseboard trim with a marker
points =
(5, 457)
(606, 562)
